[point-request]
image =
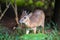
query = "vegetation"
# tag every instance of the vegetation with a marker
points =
(29, 2)
(20, 35)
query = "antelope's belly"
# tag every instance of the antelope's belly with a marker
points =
(33, 25)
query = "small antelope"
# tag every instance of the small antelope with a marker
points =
(33, 20)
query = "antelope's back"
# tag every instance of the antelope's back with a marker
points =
(37, 17)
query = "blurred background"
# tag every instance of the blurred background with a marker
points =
(11, 11)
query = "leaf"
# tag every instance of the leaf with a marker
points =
(39, 4)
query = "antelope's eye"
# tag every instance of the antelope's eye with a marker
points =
(24, 17)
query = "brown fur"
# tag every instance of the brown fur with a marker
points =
(36, 19)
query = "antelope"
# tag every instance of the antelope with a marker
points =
(33, 20)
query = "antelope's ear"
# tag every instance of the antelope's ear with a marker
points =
(30, 14)
(23, 13)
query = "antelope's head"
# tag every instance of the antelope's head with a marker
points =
(26, 18)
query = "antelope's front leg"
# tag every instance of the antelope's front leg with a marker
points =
(34, 29)
(27, 31)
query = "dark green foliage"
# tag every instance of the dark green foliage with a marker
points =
(19, 34)
(31, 4)
(39, 4)
(19, 2)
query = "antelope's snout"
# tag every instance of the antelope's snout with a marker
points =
(20, 21)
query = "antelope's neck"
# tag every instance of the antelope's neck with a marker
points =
(29, 24)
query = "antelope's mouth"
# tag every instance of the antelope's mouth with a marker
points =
(20, 21)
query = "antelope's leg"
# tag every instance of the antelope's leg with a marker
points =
(38, 30)
(42, 25)
(42, 28)
(34, 29)
(27, 31)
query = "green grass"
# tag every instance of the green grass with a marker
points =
(39, 36)
(20, 35)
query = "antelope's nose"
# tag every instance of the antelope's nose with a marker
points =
(20, 21)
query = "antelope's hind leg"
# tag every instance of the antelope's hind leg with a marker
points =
(34, 30)
(42, 28)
